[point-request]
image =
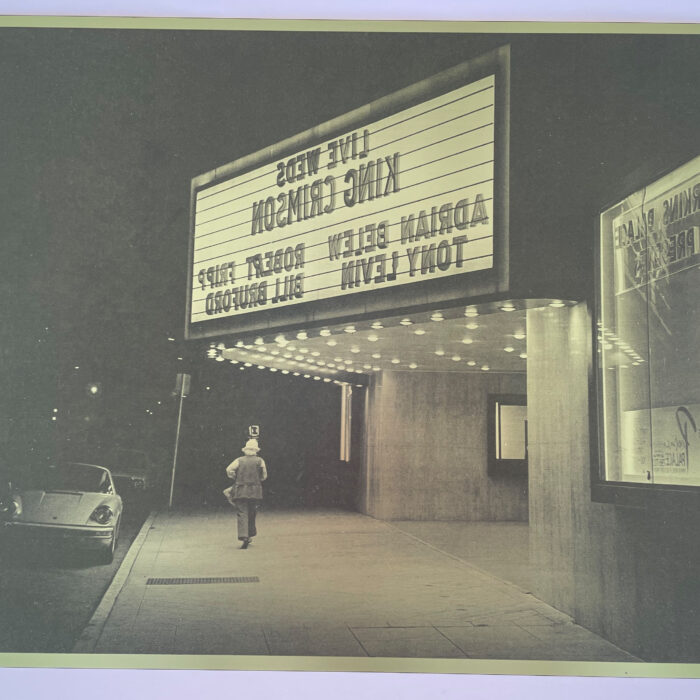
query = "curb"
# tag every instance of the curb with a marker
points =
(90, 635)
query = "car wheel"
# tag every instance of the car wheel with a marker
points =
(107, 553)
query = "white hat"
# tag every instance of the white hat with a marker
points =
(251, 446)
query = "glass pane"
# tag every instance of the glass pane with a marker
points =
(648, 332)
(674, 329)
(622, 343)
(511, 437)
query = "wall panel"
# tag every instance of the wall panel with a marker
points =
(427, 450)
(629, 574)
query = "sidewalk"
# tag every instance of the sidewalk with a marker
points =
(326, 583)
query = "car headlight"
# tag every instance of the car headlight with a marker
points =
(10, 507)
(102, 514)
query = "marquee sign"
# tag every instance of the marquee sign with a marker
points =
(396, 201)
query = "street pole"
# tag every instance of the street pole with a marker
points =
(183, 381)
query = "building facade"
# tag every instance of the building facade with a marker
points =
(492, 273)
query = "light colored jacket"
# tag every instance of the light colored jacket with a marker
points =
(248, 473)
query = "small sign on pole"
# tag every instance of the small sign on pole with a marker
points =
(253, 431)
(182, 384)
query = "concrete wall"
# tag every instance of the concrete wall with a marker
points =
(629, 574)
(426, 456)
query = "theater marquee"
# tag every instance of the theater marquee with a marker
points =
(406, 198)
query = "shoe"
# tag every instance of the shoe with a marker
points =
(245, 543)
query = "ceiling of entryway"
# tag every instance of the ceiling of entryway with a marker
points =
(486, 338)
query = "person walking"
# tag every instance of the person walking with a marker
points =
(248, 473)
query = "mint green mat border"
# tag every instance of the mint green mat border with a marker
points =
(332, 25)
(349, 664)
(343, 664)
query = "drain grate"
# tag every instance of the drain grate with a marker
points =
(206, 579)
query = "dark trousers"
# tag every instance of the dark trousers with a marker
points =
(246, 509)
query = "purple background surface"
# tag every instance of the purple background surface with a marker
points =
(57, 684)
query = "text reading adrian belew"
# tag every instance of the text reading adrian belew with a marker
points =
(423, 242)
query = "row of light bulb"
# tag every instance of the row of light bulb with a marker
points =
(317, 378)
(341, 362)
(607, 340)
(436, 316)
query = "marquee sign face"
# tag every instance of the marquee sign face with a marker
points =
(397, 201)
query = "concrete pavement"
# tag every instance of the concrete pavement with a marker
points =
(333, 583)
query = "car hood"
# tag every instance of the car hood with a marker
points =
(65, 507)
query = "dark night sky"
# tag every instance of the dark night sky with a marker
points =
(102, 131)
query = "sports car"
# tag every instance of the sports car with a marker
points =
(69, 502)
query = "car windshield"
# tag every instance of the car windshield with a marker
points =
(126, 461)
(74, 477)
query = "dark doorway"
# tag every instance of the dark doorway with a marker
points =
(299, 421)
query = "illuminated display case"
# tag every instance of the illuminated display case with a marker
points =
(647, 333)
